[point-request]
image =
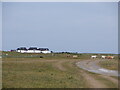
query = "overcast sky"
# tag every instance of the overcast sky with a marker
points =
(76, 27)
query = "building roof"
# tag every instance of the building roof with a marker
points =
(32, 48)
(22, 48)
(43, 49)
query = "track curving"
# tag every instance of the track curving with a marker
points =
(92, 66)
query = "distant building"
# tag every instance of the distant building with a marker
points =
(33, 50)
(22, 49)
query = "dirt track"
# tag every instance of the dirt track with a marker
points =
(91, 81)
(92, 66)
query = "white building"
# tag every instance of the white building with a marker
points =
(33, 50)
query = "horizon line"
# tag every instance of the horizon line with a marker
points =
(59, 1)
(75, 52)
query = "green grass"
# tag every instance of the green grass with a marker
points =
(83, 56)
(31, 71)
(109, 64)
(39, 75)
(46, 56)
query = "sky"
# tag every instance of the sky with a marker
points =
(90, 27)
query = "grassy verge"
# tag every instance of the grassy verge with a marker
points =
(109, 64)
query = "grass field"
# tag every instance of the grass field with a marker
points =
(109, 64)
(51, 71)
(39, 73)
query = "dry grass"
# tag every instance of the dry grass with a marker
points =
(58, 71)
(39, 74)
(111, 64)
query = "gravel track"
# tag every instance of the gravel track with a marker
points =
(92, 66)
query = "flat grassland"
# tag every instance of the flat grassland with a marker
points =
(50, 71)
(109, 64)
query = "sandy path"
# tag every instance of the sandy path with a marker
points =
(92, 82)
(92, 66)
(110, 78)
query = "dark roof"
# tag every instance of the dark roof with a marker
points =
(43, 49)
(32, 48)
(22, 48)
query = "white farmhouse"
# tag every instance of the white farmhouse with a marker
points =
(22, 50)
(33, 50)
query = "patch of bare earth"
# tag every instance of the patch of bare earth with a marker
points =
(92, 82)
(115, 81)
(59, 65)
